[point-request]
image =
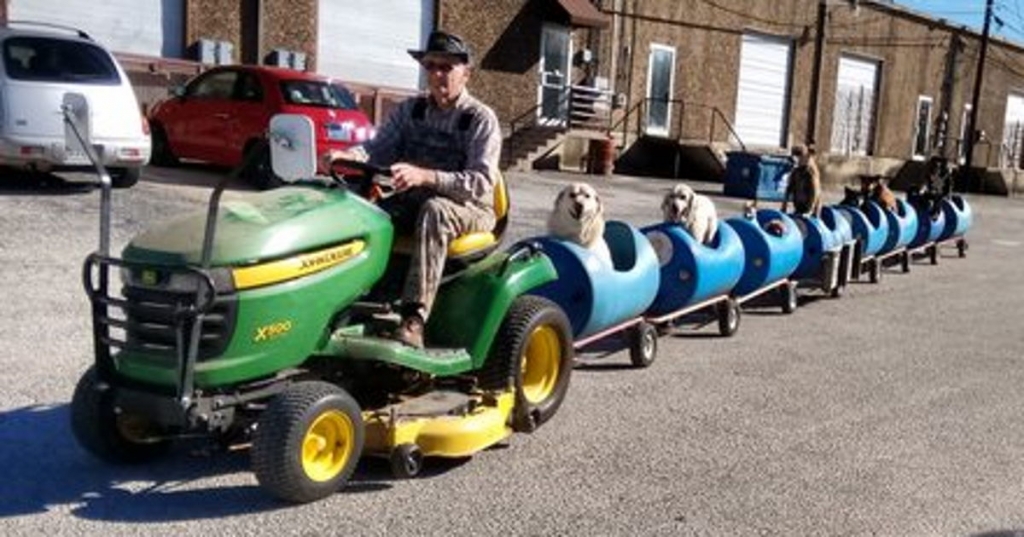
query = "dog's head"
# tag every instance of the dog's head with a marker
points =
(851, 197)
(677, 203)
(775, 227)
(578, 214)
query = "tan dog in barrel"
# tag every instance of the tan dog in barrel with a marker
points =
(578, 216)
(695, 212)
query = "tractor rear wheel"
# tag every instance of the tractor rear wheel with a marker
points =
(307, 442)
(112, 434)
(533, 353)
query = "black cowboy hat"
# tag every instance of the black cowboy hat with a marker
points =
(446, 44)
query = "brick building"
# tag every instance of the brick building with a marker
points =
(677, 82)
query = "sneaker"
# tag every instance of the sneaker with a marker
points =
(410, 331)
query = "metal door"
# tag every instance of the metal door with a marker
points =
(661, 67)
(553, 91)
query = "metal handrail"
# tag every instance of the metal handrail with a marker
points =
(715, 113)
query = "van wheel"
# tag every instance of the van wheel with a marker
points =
(162, 155)
(258, 169)
(124, 177)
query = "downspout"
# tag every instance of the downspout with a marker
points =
(629, 74)
(819, 55)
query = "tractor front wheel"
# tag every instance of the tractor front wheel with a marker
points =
(533, 353)
(307, 442)
(108, 432)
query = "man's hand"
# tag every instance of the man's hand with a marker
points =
(406, 176)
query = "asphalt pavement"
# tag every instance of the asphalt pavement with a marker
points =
(895, 410)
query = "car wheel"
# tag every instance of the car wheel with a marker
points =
(258, 169)
(162, 154)
(124, 177)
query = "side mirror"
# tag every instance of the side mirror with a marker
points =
(292, 147)
(176, 91)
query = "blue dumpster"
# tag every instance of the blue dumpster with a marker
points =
(753, 176)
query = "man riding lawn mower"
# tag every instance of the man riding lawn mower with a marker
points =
(263, 321)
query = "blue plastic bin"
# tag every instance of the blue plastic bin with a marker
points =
(753, 176)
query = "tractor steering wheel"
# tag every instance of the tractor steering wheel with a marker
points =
(367, 177)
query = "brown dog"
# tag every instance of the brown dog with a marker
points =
(804, 187)
(874, 188)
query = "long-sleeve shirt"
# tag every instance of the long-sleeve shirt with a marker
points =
(463, 143)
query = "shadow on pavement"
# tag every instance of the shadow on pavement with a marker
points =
(44, 468)
(15, 182)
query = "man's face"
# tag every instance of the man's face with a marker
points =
(446, 77)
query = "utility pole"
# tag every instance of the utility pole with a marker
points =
(972, 131)
(819, 54)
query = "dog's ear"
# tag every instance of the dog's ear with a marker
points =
(561, 196)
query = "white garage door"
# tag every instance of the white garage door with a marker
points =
(145, 27)
(1013, 131)
(365, 41)
(762, 101)
(853, 121)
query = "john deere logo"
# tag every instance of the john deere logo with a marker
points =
(149, 277)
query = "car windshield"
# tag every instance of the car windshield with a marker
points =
(317, 93)
(56, 60)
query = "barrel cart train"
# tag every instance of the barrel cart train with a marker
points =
(659, 276)
(264, 321)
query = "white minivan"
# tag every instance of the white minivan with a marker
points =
(40, 66)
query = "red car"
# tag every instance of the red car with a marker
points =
(220, 116)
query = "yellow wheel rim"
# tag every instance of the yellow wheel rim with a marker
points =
(327, 445)
(540, 364)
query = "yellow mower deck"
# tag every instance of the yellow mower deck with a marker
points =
(441, 424)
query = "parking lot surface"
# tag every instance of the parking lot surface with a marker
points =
(894, 410)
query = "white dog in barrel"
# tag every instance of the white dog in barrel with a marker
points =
(578, 216)
(695, 212)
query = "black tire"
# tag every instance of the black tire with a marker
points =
(258, 170)
(933, 254)
(961, 248)
(112, 436)
(728, 317)
(643, 344)
(788, 298)
(533, 354)
(905, 262)
(307, 442)
(837, 291)
(124, 177)
(161, 155)
(875, 271)
(406, 461)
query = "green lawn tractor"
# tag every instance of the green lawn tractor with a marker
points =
(261, 322)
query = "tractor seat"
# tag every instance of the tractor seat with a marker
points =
(477, 244)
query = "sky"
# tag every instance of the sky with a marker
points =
(972, 14)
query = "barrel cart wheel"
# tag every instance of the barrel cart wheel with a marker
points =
(837, 291)
(905, 262)
(874, 271)
(728, 317)
(961, 247)
(788, 298)
(643, 344)
(933, 254)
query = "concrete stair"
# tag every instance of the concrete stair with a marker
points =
(525, 146)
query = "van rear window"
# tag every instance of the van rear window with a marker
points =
(43, 59)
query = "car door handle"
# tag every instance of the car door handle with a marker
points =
(221, 115)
